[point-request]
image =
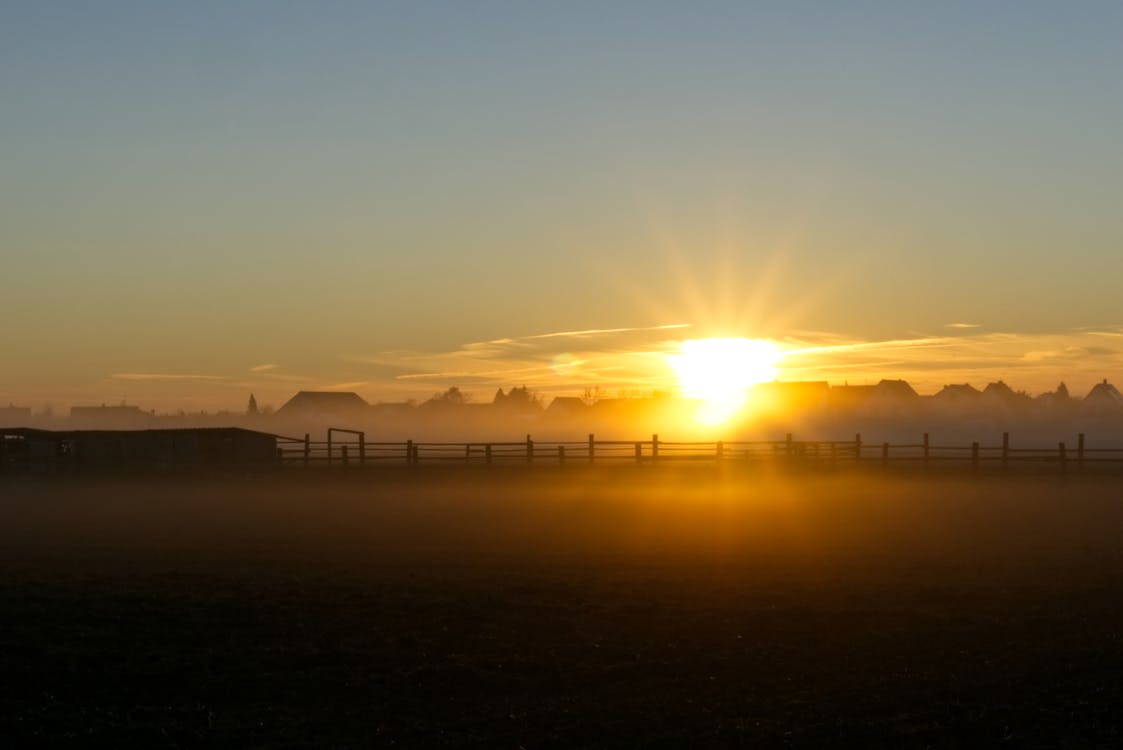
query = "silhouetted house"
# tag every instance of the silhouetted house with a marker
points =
(1104, 398)
(999, 399)
(321, 404)
(565, 407)
(955, 400)
(202, 449)
(15, 416)
(892, 398)
(109, 417)
(1057, 400)
(848, 399)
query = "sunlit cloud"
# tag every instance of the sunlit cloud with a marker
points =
(263, 368)
(962, 325)
(165, 376)
(603, 331)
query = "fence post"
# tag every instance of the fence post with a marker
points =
(975, 456)
(343, 454)
(639, 453)
(1005, 448)
(487, 453)
(529, 450)
(1080, 451)
(362, 448)
(329, 446)
(885, 454)
(561, 454)
(307, 449)
(858, 447)
(409, 451)
(720, 450)
(654, 448)
(592, 447)
(1063, 457)
(926, 449)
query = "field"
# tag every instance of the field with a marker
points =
(633, 607)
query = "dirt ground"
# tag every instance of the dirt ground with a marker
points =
(637, 607)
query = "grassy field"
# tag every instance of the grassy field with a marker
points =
(569, 608)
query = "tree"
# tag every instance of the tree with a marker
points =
(518, 399)
(452, 397)
(591, 395)
(251, 410)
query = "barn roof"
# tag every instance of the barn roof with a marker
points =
(318, 402)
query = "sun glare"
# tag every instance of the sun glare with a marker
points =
(719, 372)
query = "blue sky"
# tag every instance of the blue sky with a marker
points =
(203, 188)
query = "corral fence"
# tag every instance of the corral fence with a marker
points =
(345, 447)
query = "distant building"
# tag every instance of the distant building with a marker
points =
(205, 449)
(109, 417)
(14, 416)
(963, 396)
(566, 406)
(892, 398)
(307, 404)
(999, 398)
(1103, 398)
(849, 399)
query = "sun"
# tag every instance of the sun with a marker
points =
(719, 372)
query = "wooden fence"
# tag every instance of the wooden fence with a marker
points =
(350, 447)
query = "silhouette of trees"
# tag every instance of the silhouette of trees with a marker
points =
(592, 395)
(251, 409)
(518, 399)
(451, 398)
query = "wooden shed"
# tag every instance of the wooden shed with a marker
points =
(203, 449)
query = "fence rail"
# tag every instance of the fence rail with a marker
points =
(354, 449)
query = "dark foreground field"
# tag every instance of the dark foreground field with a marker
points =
(628, 608)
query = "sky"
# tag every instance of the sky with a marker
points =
(200, 200)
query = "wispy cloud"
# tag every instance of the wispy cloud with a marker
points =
(165, 376)
(263, 368)
(603, 331)
(962, 325)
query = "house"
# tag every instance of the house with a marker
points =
(849, 399)
(314, 404)
(14, 415)
(1103, 398)
(999, 398)
(566, 406)
(892, 398)
(958, 396)
(1055, 400)
(110, 417)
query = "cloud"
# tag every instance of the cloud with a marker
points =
(263, 368)
(558, 361)
(962, 325)
(165, 376)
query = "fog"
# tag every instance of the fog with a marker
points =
(466, 517)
